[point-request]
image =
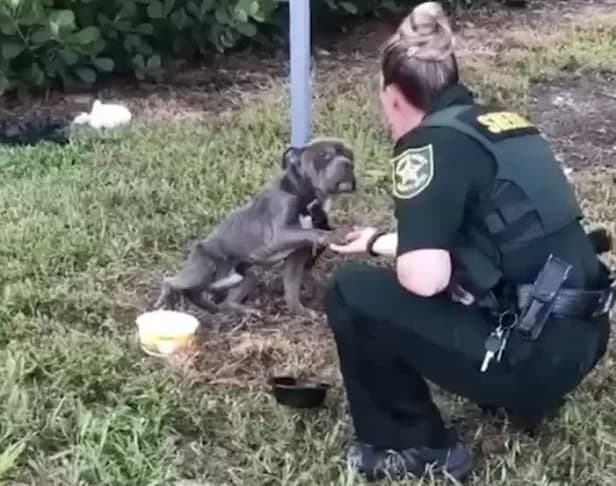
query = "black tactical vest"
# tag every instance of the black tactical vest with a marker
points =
(530, 197)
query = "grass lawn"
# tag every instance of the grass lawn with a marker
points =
(88, 229)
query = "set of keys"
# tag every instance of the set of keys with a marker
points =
(497, 341)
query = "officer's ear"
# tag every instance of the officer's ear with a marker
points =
(290, 156)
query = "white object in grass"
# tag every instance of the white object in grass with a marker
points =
(104, 115)
(162, 332)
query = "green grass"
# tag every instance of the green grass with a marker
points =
(86, 232)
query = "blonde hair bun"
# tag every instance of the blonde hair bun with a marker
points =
(427, 33)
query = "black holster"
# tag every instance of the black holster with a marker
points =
(544, 292)
(474, 272)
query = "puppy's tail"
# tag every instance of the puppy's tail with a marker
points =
(191, 281)
(168, 296)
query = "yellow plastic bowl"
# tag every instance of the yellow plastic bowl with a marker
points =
(163, 332)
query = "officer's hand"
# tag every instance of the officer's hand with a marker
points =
(355, 242)
(458, 294)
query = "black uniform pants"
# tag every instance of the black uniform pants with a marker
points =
(390, 341)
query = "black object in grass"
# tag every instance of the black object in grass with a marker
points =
(29, 130)
(298, 393)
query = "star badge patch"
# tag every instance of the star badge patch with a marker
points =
(413, 171)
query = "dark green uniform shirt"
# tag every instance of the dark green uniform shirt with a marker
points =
(433, 212)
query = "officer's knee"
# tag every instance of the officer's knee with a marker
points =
(356, 275)
(343, 278)
(333, 296)
(347, 282)
(335, 302)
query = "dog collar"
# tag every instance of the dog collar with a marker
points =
(312, 204)
(312, 207)
(315, 210)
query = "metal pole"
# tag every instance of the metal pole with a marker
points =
(299, 38)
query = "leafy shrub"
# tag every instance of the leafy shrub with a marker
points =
(49, 42)
(364, 7)
(76, 42)
(38, 43)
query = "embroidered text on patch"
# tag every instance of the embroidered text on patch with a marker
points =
(413, 171)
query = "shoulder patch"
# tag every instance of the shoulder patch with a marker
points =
(412, 171)
(497, 124)
(503, 121)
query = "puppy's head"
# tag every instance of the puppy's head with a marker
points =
(327, 164)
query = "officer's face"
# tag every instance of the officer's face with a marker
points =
(399, 116)
(389, 109)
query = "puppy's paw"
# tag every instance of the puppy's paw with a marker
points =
(326, 238)
(301, 311)
(166, 301)
(241, 309)
(276, 287)
(249, 311)
(323, 237)
(314, 288)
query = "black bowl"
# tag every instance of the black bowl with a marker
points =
(298, 394)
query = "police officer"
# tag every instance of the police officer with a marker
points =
(496, 292)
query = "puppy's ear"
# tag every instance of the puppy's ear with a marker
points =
(290, 156)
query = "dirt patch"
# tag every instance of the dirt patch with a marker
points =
(489, 30)
(578, 117)
(245, 350)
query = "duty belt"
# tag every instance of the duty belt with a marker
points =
(535, 304)
(547, 297)
(584, 304)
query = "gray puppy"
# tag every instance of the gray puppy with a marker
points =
(286, 221)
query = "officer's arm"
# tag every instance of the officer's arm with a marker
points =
(431, 186)
(434, 263)
(424, 272)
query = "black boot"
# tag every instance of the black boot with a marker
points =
(455, 460)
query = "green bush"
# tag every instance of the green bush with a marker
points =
(72, 43)
(363, 7)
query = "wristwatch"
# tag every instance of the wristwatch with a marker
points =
(372, 241)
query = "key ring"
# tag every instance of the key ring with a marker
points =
(513, 317)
